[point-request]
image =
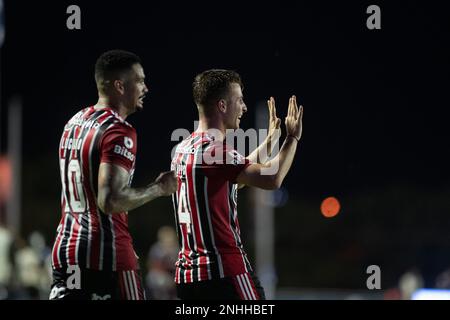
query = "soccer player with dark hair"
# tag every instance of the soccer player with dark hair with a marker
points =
(93, 255)
(212, 263)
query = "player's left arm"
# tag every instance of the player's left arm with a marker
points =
(264, 151)
(277, 168)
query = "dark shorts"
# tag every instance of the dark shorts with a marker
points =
(241, 287)
(84, 284)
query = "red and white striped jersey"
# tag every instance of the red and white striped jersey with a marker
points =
(206, 210)
(86, 236)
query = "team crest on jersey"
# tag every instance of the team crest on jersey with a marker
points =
(128, 142)
(236, 157)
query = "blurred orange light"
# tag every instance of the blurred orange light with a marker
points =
(330, 207)
(5, 178)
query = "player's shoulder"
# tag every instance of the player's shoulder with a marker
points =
(224, 152)
(217, 145)
(77, 119)
(118, 125)
(119, 122)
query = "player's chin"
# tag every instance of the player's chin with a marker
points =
(139, 106)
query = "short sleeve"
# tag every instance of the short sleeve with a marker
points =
(220, 161)
(118, 146)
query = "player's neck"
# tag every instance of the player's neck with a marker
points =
(117, 106)
(210, 124)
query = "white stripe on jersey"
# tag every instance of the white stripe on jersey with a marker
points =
(233, 231)
(208, 214)
(91, 147)
(130, 281)
(250, 287)
(125, 284)
(88, 251)
(113, 234)
(133, 275)
(70, 239)
(199, 219)
(77, 245)
(191, 252)
(102, 241)
(245, 285)
(61, 234)
(90, 154)
(178, 275)
(244, 293)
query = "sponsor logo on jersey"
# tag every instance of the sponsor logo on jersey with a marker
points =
(99, 297)
(57, 293)
(124, 152)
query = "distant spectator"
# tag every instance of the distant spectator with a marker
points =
(161, 265)
(27, 271)
(410, 282)
(443, 280)
(43, 252)
(5, 262)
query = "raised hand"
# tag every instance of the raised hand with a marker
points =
(293, 119)
(274, 121)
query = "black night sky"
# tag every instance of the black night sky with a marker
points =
(375, 122)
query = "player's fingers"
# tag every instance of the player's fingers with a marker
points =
(274, 111)
(294, 110)
(272, 99)
(297, 112)
(290, 109)
(269, 106)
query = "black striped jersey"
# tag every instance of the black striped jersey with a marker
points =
(205, 206)
(86, 236)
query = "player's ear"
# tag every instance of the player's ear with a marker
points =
(222, 105)
(118, 86)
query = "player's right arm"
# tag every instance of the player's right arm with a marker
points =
(260, 175)
(115, 196)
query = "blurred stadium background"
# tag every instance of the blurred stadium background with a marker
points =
(375, 136)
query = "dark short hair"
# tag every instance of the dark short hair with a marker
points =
(113, 62)
(212, 85)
